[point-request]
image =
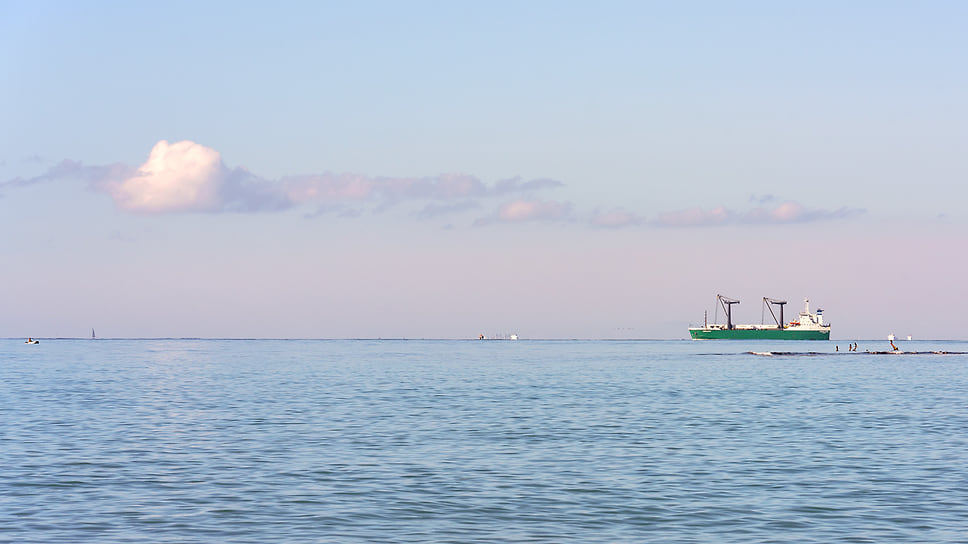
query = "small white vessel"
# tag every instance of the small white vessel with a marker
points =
(31, 341)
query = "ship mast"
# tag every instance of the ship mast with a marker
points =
(769, 304)
(727, 304)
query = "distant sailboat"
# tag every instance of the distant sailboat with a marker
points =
(92, 334)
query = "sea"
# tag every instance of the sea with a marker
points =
(469, 441)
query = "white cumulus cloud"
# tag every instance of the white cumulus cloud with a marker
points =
(178, 177)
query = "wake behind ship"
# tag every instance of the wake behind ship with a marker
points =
(809, 326)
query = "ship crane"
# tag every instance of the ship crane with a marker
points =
(727, 304)
(769, 302)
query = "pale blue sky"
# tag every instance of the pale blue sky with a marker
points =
(616, 165)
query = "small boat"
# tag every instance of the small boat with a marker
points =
(31, 341)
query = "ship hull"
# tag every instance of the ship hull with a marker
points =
(759, 334)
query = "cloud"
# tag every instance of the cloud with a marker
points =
(515, 185)
(787, 212)
(189, 177)
(694, 217)
(72, 169)
(762, 199)
(338, 210)
(178, 177)
(616, 219)
(186, 177)
(433, 210)
(519, 211)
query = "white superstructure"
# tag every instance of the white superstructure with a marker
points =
(808, 320)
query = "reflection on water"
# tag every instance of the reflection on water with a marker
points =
(446, 441)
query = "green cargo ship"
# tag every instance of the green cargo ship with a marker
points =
(809, 326)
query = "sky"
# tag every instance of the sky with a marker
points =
(447, 169)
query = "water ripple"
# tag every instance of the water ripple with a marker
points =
(366, 441)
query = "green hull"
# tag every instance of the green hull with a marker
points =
(759, 334)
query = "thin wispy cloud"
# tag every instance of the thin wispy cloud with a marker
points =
(517, 185)
(787, 212)
(616, 219)
(762, 199)
(522, 210)
(72, 170)
(434, 210)
(336, 210)
(693, 217)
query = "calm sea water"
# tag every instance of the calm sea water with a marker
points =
(466, 441)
